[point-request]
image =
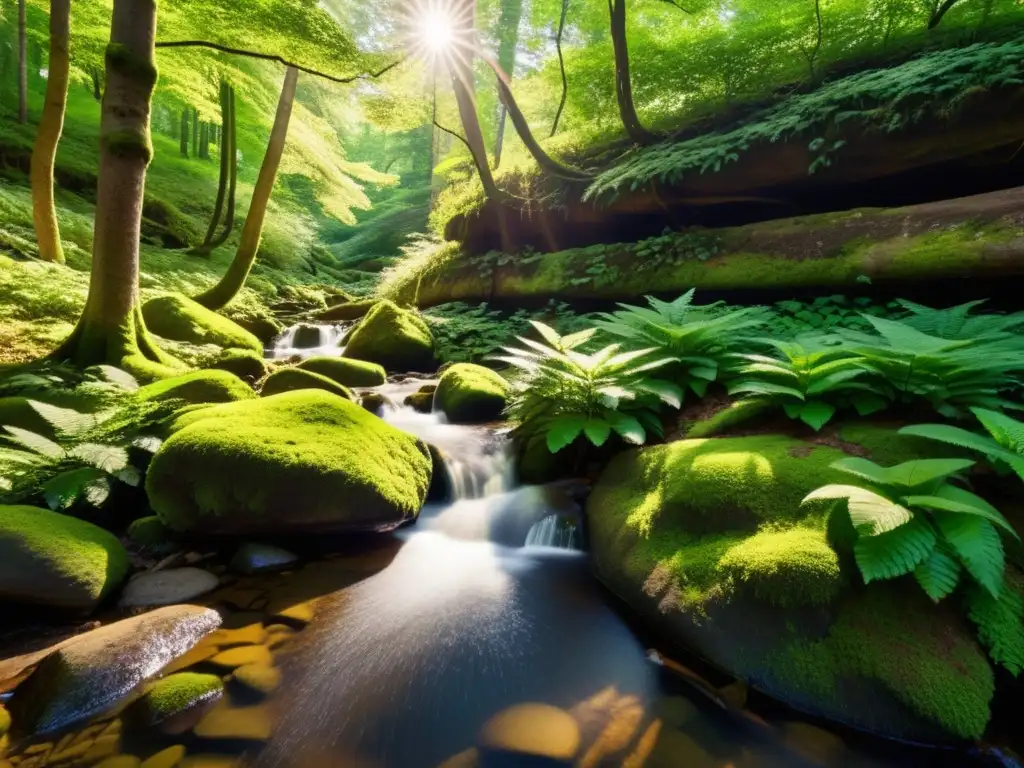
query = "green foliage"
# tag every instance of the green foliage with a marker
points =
(563, 393)
(808, 379)
(1004, 448)
(698, 341)
(912, 519)
(825, 314)
(1000, 622)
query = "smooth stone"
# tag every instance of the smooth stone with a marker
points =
(533, 729)
(177, 585)
(243, 723)
(239, 657)
(259, 679)
(89, 673)
(167, 758)
(254, 634)
(252, 558)
(174, 695)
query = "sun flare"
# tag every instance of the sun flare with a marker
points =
(436, 30)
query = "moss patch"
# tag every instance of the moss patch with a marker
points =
(291, 379)
(179, 318)
(730, 417)
(244, 363)
(351, 373)
(175, 694)
(395, 338)
(469, 394)
(298, 461)
(149, 533)
(198, 387)
(352, 310)
(52, 559)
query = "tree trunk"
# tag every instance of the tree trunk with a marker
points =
(97, 91)
(222, 182)
(204, 141)
(508, 38)
(195, 133)
(111, 329)
(229, 146)
(623, 85)
(22, 65)
(229, 286)
(812, 55)
(466, 100)
(51, 124)
(561, 66)
(184, 132)
(544, 160)
(939, 12)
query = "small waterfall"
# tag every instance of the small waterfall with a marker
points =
(325, 345)
(552, 531)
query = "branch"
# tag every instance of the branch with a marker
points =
(456, 135)
(677, 5)
(561, 66)
(275, 57)
(940, 12)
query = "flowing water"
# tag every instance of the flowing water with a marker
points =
(327, 346)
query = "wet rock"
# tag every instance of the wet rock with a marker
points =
(176, 585)
(120, 761)
(421, 402)
(532, 729)
(374, 402)
(166, 758)
(253, 634)
(173, 696)
(306, 336)
(259, 680)
(241, 723)
(47, 558)
(90, 672)
(241, 656)
(253, 558)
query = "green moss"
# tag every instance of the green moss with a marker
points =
(735, 415)
(291, 379)
(176, 317)
(149, 533)
(395, 338)
(351, 373)
(244, 363)
(892, 636)
(129, 145)
(296, 461)
(422, 402)
(198, 387)
(470, 394)
(130, 64)
(352, 310)
(173, 695)
(52, 559)
(20, 412)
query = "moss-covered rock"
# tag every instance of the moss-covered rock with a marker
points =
(298, 461)
(351, 373)
(150, 533)
(352, 310)
(306, 336)
(470, 394)
(174, 695)
(179, 318)
(292, 379)
(244, 363)
(20, 412)
(198, 387)
(421, 402)
(708, 540)
(395, 338)
(51, 559)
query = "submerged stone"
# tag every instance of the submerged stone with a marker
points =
(91, 672)
(299, 461)
(537, 730)
(47, 558)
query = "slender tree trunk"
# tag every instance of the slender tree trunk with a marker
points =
(544, 160)
(623, 85)
(561, 66)
(466, 100)
(222, 182)
(97, 91)
(22, 65)
(204, 141)
(508, 38)
(184, 132)
(51, 124)
(195, 133)
(229, 286)
(939, 11)
(229, 147)
(111, 329)
(812, 55)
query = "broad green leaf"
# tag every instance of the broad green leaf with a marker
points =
(960, 438)
(949, 498)
(61, 491)
(548, 334)
(668, 392)
(868, 403)
(97, 491)
(574, 340)
(914, 474)
(938, 575)
(977, 545)
(563, 430)
(629, 429)
(870, 513)
(597, 431)
(862, 468)
(816, 414)
(895, 553)
(764, 388)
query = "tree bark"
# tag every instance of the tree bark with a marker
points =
(222, 182)
(229, 286)
(22, 65)
(111, 329)
(623, 85)
(508, 38)
(195, 133)
(229, 145)
(51, 125)
(97, 91)
(939, 12)
(184, 132)
(812, 55)
(204, 141)
(561, 66)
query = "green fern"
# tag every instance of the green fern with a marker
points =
(1000, 623)
(1004, 449)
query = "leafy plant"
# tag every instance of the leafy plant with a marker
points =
(1004, 448)
(824, 314)
(697, 340)
(911, 518)
(564, 393)
(809, 380)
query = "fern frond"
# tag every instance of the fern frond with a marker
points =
(895, 553)
(977, 545)
(939, 574)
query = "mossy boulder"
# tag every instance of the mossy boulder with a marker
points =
(352, 310)
(470, 394)
(174, 695)
(294, 462)
(244, 363)
(21, 412)
(351, 373)
(421, 402)
(709, 542)
(177, 317)
(198, 387)
(396, 338)
(151, 534)
(292, 379)
(306, 336)
(51, 559)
